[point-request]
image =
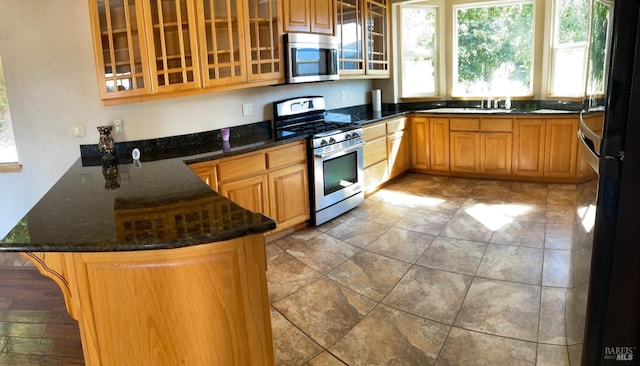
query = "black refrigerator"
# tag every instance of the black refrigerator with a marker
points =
(612, 324)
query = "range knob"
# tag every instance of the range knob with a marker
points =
(323, 142)
(355, 135)
(332, 140)
(347, 136)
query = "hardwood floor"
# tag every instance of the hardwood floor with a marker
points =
(35, 328)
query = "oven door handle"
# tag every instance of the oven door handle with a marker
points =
(342, 151)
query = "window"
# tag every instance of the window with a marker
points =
(600, 36)
(569, 50)
(418, 58)
(493, 49)
(8, 152)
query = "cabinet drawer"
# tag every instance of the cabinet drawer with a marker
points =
(375, 151)
(464, 124)
(496, 124)
(286, 156)
(372, 132)
(242, 167)
(396, 125)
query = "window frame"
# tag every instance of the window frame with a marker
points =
(436, 55)
(9, 166)
(454, 47)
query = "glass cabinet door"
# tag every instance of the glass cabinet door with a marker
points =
(224, 53)
(171, 24)
(349, 31)
(120, 48)
(265, 58)
(376, 37)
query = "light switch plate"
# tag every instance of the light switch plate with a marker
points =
(117, 126)
(247, 109)
(78, 130)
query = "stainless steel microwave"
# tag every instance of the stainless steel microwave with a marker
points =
(310, 57)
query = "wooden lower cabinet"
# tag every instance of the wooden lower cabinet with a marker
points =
(529, 137)
(250, 193)
(496, 153)
(288, 198)
(272, 181)
(561, 147)
(439, 146)
(420, 143)
(398, 153)
(375, 175)
(465, 152)
(201, 305)
(376, 167)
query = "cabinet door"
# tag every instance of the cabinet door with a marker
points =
(289, 195)
(528, 147)
(420, 143)
(398, 153)
(322, 14)
(561, 150)
(120, 48)
(375, 151)
(264, 52)
(222, 42)
(439, 147)
(207, 171)
(296, 14)
(465, 152)
(376, 39)
(349, 30)
(496, 153)
(171, 28)
(250, 193)
(375, 175)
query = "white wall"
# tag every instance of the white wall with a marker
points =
(47, 53)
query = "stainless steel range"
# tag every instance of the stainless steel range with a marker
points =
(335, 158)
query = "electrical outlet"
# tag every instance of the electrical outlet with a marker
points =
(117, 126)
(78, 130)
(247, 109)
(343, 95)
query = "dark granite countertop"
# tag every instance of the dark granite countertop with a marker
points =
(158, 203)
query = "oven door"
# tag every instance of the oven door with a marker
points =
(337, 176)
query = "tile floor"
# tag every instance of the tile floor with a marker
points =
(428, 270)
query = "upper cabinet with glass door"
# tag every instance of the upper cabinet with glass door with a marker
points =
(362, 27)
(148, 47)
(120, 52)
(310, 16)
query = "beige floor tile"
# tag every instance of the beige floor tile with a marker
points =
(456, 188)
(290, 345)
(402, 339)
(528, 193)
(552, 329)
(501, 308)
(321, 252)
(455, 255)
(465, 226)
(564, 195)
(286, 275)
(358, 232)
(430, 293)
(325, 310)
(520, 233)
(401, 244)
(382, 213)
(561, 214)
(425, 221)
(549, 355)
(557, 268)
(491, 190)
(558, 236)
(325, 359)
(511, 263)
(464, 348)
(370, 274)
(523, 211)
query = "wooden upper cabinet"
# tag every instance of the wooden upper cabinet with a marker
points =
(120, 48)
(310, 16)
(264, 51)
(377, 37)
(172, 32)
(349, 30)
(221, 36)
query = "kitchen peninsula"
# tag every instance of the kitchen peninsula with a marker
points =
(158, 268)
